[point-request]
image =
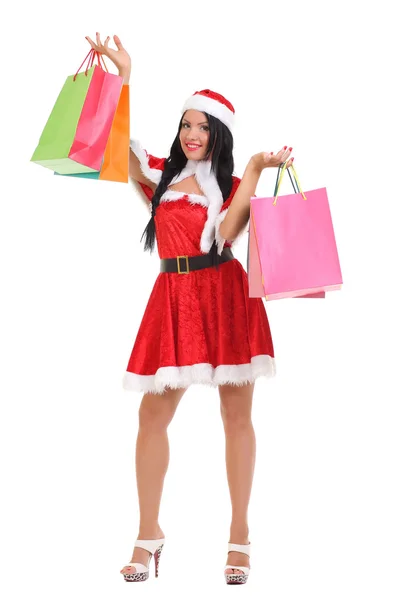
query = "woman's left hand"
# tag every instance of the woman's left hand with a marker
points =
(263, 160)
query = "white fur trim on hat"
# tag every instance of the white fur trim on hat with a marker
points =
(212, 107)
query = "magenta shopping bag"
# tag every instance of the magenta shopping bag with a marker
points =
(94, 125)
(292, 250)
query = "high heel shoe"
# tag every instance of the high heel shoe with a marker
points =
(235, 578)
(142, 571)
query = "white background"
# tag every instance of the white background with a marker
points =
(324, 518)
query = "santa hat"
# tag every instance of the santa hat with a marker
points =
(212, 103)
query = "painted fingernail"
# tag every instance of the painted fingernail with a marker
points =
(290, 148)
(284, 147)
(271, 152)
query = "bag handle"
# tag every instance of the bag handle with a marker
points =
(295, 187)
(279, 177)
(99, 56)
(91, 56)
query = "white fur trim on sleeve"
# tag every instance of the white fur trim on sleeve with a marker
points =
(219, 239)
(153, 174)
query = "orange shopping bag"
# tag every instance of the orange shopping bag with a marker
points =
(116, 157)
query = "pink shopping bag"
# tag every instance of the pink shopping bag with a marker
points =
(292, 249)
(96, 119)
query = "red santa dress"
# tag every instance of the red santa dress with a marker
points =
(201, 326)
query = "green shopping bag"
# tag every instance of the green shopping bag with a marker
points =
(92, 175)
(59, 132)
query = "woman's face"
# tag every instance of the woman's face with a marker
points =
(194, 134)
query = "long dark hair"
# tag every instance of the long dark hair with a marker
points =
(221, 163)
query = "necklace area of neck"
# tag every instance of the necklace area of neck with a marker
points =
(208, 183)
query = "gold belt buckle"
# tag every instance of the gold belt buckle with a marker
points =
(187, 264)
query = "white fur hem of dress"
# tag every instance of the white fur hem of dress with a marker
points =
(179, 377)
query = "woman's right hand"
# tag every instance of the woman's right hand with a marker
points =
(119, 57)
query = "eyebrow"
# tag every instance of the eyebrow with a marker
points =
(202, 123)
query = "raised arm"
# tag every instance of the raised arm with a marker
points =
(122, 61)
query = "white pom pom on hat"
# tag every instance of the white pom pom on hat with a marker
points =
(214, 104)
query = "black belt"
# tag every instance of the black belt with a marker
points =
(185, 264)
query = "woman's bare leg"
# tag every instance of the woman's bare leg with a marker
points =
(152, 458)
(240, 453)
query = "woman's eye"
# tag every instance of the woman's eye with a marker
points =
(203, 126)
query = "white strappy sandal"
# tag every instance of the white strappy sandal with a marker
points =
(232, 578)
(142, 571)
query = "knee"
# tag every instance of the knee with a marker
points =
(236, 420)
(155, 415)
(235, 415)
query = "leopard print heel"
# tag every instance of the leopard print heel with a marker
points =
(142, 571)
(237, 578)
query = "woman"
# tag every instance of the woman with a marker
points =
(199, 326)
